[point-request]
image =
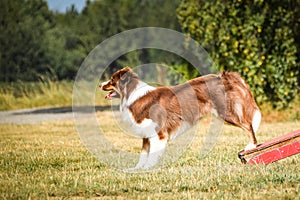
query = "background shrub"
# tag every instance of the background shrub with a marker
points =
(259, 39)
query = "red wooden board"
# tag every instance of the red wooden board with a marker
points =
(276, 154)
(273, 150)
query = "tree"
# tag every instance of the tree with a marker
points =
(23, 26)
(101, 19)
(35, 41)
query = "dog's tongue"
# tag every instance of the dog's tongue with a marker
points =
(110, 95)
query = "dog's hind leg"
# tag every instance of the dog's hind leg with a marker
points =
(253, 129)
(247, 119)
(253, 143)
(256, 121)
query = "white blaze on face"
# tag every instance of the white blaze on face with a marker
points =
(104, 83)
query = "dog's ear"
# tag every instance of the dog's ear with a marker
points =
(126, 73)
(127, 69)
(124, 76)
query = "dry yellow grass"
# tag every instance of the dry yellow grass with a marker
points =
(48, 160)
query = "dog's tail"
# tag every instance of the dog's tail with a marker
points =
(234, 78)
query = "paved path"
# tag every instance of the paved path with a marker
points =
(39, 115)
(34, 116)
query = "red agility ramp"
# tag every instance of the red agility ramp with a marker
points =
(273, 150)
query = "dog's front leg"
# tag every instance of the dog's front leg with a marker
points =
(157, 149)
(144, 154)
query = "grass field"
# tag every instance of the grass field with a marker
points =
(48, 160)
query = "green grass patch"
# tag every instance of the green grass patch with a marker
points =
(48, 161)
(47, 93)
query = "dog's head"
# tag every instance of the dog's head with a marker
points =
(119, 83)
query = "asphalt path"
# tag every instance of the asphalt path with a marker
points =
(40, 115)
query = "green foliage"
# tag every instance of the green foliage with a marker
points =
(255, 38)
(23, 25)
(35, 41)
(260, 39)
(183, 73)
(103, 19)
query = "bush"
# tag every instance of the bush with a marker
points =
(255, 38)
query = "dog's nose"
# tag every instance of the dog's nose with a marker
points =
(100, 86)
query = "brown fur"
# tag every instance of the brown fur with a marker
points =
(188, 102)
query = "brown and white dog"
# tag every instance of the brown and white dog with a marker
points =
(158, 114)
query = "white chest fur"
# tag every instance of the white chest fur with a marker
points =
(145, 129)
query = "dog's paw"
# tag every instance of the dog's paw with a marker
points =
(132, 169)
(250, 146)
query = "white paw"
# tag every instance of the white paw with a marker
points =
(250, 146)
(132, 169)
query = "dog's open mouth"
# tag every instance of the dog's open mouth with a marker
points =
(111, 94)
